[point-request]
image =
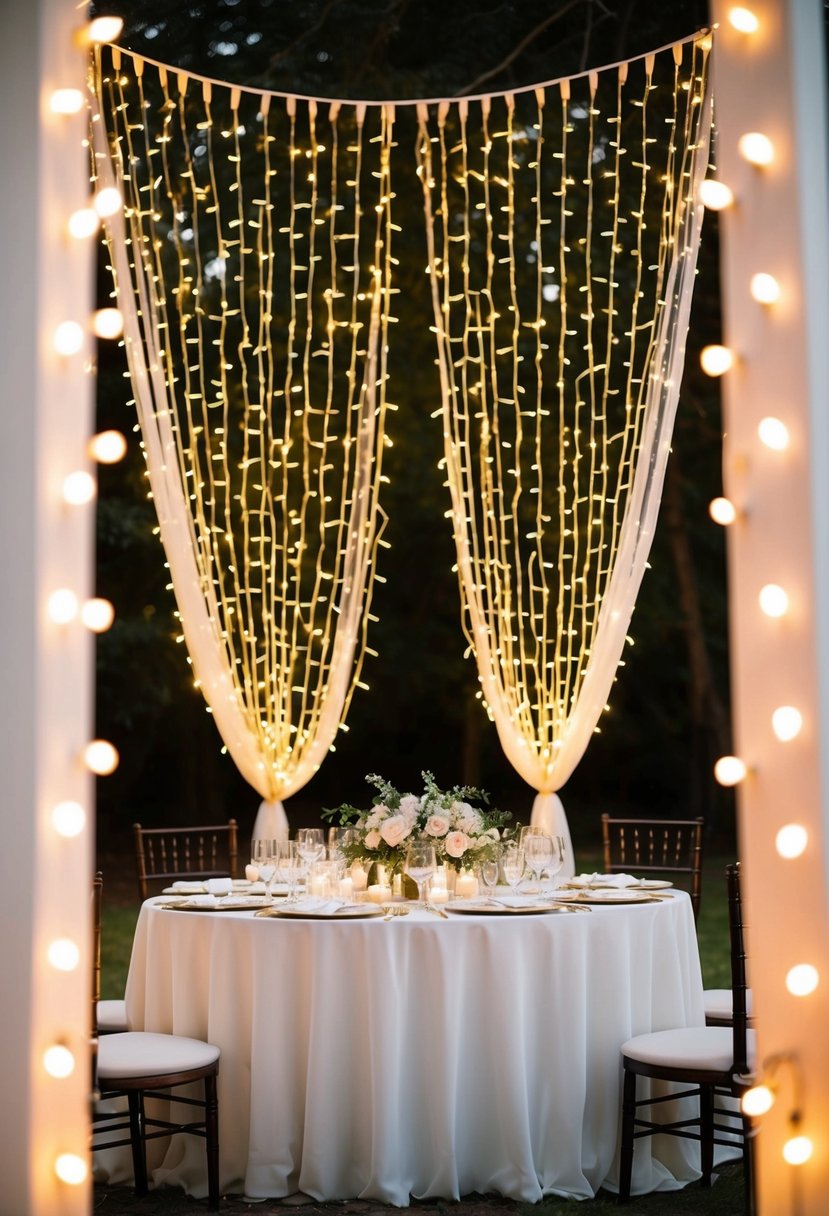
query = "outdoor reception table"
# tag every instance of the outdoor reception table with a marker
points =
(419, 1056)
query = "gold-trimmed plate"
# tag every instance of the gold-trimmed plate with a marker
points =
(228, 903)
(471, 908)
(346, 912)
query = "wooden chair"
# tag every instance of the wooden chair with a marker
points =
(711, 1059)
(109, 1016)
(140, 1065)
(658, 846)
(167, 854)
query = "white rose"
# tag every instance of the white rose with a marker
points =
(437, 825)
(456, 844)
(394, 830)
(410, 806)
(377, 816)
(372, 840)
(493, 834)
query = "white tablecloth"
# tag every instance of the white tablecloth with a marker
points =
(419, 1056)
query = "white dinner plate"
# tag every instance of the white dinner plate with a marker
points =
(346, 912)
(610, 895)
(471, 908)
(230, 903)
(654, 884)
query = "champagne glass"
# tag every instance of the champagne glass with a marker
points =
(538, 851)
(287, 866)
(514, 863)
(421, 864)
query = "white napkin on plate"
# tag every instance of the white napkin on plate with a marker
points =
(203, 901)
(604, 880)
(189, 888)
(320, 907)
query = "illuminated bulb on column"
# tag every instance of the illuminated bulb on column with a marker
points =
(802, 980)
(730, 770)
(63, 954)
(722, 511)
(79, 488)
(798, 1150)
(68, 338)
(71, 1168)
(66, 101)
(774, 601)
(757, 1101)
(786, 722)
(98, 614)
(58, 1061)
(791, 841)
(102, 29)
(716, 360)
(107, 447)
(774, 434)
(743, 20)
(83, 223)
(716, 196)
(101, 757)
(756, 148)
(108, 323)
(108, 201)
(68, 819)
(63, 606)
(764, 288)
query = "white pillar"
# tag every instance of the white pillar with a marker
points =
(773, 81)
(45, 668)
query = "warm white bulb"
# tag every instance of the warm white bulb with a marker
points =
(773, 433)
(66, 101)
(743, 19)
(108, 201)
(71, 1168)
(722, 511)
(79, 488)
(108, 323)
(107, 447)
(764, 288)
(791, 841)
(730, 770)
(787, 723)
(63, 954)
(101, 757)
(802, 980)
(68, 819)
(83, 223)
(58, 1061)
(756, 148)
(774, 601)
(63, 606)
(716, 196)
(716, 360)
(68, 338)
(98, 614)
(103, 29)
(798, 1150)
(757, 1101)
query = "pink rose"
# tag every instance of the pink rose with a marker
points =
(437, 825)
(394, 830)
(456, 844)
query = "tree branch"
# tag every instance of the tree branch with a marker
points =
(517, 50)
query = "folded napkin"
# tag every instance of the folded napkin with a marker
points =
(604, 880)
(203, 901)
(188, 888)
(320, 907)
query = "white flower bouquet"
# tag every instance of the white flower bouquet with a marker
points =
(461, 833)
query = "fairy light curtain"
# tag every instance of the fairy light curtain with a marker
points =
(563, 226)
(252, 264)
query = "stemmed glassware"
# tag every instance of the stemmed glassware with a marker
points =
(421, 864)
(538, 851)
(513, 863)
(287, 866)
(488, 870)
(310, 844)
(263, 856)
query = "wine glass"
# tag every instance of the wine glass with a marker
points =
(287, 866)
(538, 851)
(264, 853)
(421, 864)
(488, 870)
(310, 844)
(557, 860)
(514, 863)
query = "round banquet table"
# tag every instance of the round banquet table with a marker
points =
(418, 1056)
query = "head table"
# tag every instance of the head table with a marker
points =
(419, 1056)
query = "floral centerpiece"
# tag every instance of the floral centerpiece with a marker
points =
(461, 833)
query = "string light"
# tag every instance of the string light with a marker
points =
(58, 1061)
(756, 148)
(743, 20)
(108, 201)
(83, 223)
(102, 29)
(774, 434)
(787, 723)
(722, 511)
(715, 195)
(98, 614)
(79, 488)
(774, 600)
(68, 338)
(716, 360)
(764, 288)
(63, 954)
(108, 323)
(62, 606)
(757, 1101)
(68, 819)
(66, 101)
(107, 447)
(730, 770)
(71, 1168)
(791, 841)
(798, 1150)
(101, 757)
(802, 980)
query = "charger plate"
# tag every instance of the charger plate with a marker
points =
(609, 895)
(228, 904)
(291, 912)
(473, 909)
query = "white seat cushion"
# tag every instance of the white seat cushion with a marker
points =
(111, 1016)
(142, 1054)
(717, 1002)
(708, 1047)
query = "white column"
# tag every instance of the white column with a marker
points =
(45, 668)
(772, 81)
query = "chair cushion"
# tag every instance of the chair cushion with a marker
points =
(695, 1047)
(111, 1016)
(717, 1002)
(138, 1053)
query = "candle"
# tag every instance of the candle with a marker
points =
(319, 886)
(359, 877)
(466, 886)
(252, 873)
(379, 894)
(347, 889)
(397, 886)
(438, 895)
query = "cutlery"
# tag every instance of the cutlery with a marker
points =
(437, 911)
